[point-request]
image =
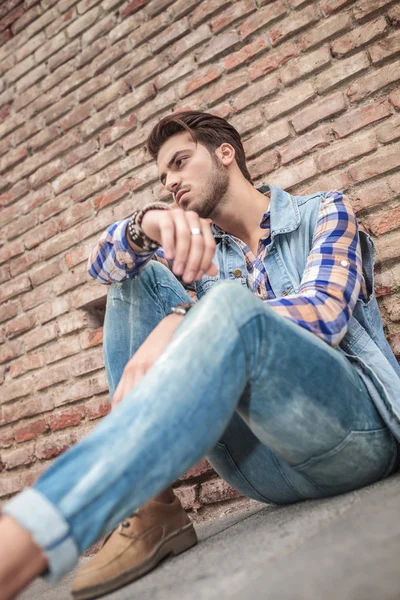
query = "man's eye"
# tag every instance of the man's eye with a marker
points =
(178, 161)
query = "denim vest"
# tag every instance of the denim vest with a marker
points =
(293, 220)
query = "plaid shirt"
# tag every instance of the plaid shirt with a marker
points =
(331, 282)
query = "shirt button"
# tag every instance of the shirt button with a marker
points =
(344, 263)
(237, 272)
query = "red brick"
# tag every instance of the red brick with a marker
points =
(205, 10)
(40, 336)
(358, 37)
(64, 56)
(189, 43)
(99, 121)
(270, 136)
(389, 131)
(289, 100)
(394, 98)
(341, 71)
(146, 71)
(26, 363)
(168, 35)
(365, 8)
(19, 325)
(234, 12)
(6, 437)
(84, 388)
(361, 117)
(91, 338)
(99, 29)
(10, 250)
(394, 15)
(74, 215)
(390, 46)
(109, 56)
(30, 431)
(305, 144)
(70, 280)
(19, 226)
(247, 122)
(288, 177)
(325, 30)
(53, 207)
(81, 153)
(343, 152)
(388, 247)
(44, 273)
(89, 361)
(68, 179)
(4, 274)
(218, 46)
(40, 234)
(177, 71)
(96, 225)
(54, 309)
(262, 18)
(131, 101)
(46, 173)
(8, 311)
(322, 109)
(374, 81)
(111, 195)
(330, 6)
(273, 61)
(245, 54)
(131, 7)
(384, 222)
(62, 242)
(17, 458)
(17, 191)
(67, 418)
(53, 375)
(10, 351)
(78, 255)
(110, 93)
(199, 469)
(392, 305)
(263, 164)
(12, 158)
(187, 495)
(35, 199)
(382, 161)
(90, 295)
(35, 297)
(89, 186)
(216, 490)
(369, 196)
(54, 446)
(394, 183)
(292, 24)
(201, 79)
(98, 407)
(305, 65)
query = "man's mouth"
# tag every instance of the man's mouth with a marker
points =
(179, 195)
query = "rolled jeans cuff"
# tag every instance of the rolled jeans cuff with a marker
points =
(49, 530)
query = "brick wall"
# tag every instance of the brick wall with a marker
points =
(311, 86)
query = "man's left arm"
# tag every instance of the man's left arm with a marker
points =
(332, 278)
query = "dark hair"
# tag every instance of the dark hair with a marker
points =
(209, 130)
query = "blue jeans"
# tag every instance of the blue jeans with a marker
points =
(281, 416)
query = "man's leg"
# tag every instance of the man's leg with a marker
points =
(134, 308)
(231, 352)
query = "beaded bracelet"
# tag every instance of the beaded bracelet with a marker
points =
(135, 230)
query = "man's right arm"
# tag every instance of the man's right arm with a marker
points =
(115, 258)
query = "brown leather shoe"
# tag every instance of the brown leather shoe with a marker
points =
(135, 548)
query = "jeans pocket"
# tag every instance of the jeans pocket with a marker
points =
(360, 459)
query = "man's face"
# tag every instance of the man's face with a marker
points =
(197, 180)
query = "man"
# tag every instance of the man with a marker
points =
(279, 373)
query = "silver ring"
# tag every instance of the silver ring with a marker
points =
(195, 231)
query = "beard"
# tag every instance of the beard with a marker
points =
(213, 192)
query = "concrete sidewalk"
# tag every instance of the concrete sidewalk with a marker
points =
(346, 547)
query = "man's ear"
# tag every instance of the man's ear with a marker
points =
(226, 154)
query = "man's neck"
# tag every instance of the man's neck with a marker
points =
(241, 212)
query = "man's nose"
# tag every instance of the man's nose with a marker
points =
(173, 183)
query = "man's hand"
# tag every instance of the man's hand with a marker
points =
(146, 356)
(192, 254)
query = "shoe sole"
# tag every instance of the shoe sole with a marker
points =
(175, 544)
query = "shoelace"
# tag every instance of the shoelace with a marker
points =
(125, 524)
